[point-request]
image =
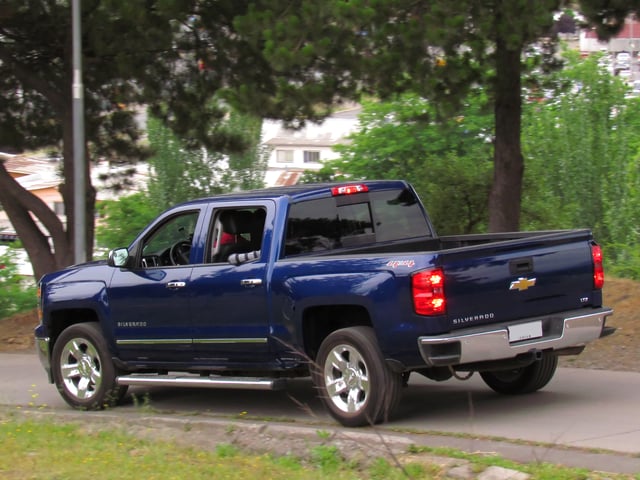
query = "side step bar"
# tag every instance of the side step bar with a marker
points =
(240, 383)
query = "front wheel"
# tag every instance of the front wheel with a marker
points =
(83, 371)
(522, 380)
(354, 381)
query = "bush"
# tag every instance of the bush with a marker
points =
(17, 292)
(622, 260)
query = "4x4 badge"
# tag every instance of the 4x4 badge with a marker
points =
(522, 284)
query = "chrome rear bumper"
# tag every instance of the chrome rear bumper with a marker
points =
(491, 342)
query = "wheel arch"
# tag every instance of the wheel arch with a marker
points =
(321, 320)
(59, 320)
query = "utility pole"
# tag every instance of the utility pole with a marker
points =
(79, 198)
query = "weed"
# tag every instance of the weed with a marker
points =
(327, 458)
(226, 450)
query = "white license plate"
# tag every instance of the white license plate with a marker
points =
(525, 331)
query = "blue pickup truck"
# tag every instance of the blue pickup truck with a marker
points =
(346, 283)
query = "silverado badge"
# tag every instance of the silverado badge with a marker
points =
(522, 284)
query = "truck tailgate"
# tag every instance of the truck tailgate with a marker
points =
(521, 278)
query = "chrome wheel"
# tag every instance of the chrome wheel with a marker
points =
(80, 368)
(83, 370)
(353, 380)
(346, 377)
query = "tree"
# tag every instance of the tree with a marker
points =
(246, 170)
(179, 173)
(447, 160)
(436, 49)
(17, 294)
(35, 101)
(582, 145)
(123, 219)
(133, 53)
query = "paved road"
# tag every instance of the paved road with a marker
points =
(592, 409)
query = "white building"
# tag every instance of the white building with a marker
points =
(294, 151)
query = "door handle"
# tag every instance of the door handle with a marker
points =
(251, 282)
(176, 284)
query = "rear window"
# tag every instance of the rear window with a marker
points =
(354, 220)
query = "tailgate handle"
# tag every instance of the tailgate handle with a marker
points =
(521, 265)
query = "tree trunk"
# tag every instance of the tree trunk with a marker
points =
(24, 209)
(508, 168)
(19, 204)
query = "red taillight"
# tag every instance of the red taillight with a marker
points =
(598, 269)
(349, 189)
(428, 292)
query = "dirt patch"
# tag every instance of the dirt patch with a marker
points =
(620, 351)
(16, 332)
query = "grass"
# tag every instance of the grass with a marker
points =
(47, 449)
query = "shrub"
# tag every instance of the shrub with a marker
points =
(17, 292)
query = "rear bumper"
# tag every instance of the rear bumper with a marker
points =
(560, 331)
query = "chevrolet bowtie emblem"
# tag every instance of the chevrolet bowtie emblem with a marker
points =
(522, 284)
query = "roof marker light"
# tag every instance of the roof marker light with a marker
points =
(349, 189)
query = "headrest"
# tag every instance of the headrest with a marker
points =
(237, 221)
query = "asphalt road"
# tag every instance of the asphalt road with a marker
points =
(588, 409)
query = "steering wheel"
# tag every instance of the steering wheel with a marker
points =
(179, 253)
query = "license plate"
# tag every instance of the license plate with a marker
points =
(525, 331)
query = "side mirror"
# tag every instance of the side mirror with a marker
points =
(118, 257)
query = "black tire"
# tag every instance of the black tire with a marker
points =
(522, 380)
(353, 380)
(83, 371)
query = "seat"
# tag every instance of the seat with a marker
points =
(235, 223)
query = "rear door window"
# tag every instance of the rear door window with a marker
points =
(354, 220)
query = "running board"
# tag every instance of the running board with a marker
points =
(240, 383)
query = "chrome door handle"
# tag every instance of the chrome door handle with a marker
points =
(251, 282)
(176, 284)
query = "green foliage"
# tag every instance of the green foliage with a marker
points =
(121, 220)
(17, 293)
(179, 173)
(327, 458)
(246, 169)
(623, 260)
(582, 147)
(448, 161)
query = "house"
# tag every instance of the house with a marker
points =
(38, 176)
(41, 176)
(294, 151)
(291, 153)
(627, 40)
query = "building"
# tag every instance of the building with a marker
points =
(294, 151)
(628, 40)
(41, 176)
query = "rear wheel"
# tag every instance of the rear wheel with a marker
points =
(83, 371)
(524, 379)
(354, 381)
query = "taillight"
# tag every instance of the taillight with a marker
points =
(349, 189)
(427, 288)
(598, 269)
